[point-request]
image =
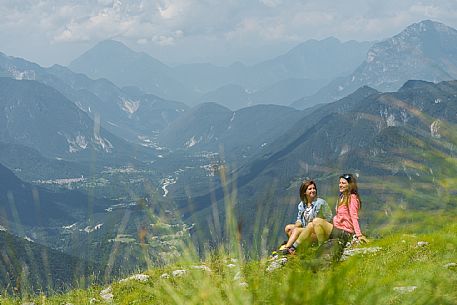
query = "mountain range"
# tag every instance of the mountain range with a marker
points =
(211, 127)
(165, 160)
(40, 117)
(425, 51)
(113, 60)
(403, 138)
(130, 114)
(302, 70)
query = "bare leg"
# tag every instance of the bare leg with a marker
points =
(306, 234)
(322, 228)
(289, 228)
(293, 237)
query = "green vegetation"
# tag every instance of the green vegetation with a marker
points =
(407, 185)
(408, 268)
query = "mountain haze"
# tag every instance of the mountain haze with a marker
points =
(312, 63)
(133, 115)
(241, 133)
(114, 61)
(425, 51)
(405, 136)
(40, 117)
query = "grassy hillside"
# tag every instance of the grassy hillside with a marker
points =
(416, 265)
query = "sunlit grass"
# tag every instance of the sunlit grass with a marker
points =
(411, 214)
(408, 269)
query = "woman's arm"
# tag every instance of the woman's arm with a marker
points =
(325, 211)
(301, 209)
(354, 206)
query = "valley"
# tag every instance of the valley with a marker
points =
(117, 173)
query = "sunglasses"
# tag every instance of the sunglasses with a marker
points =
(347, 177)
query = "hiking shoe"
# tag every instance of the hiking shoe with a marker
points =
(282, 247)
(283, 250)
(286, 250)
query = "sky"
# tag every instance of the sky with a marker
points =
(217, 31)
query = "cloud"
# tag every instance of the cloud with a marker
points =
(142, 41)
(170, 10)
(167, 40)
(271, 3)
(154, 24)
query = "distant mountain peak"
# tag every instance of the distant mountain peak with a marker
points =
(365, 90)
(415, 84)
(109, 46)
(426, 25)
(210, 107)
(421, 31)
(113, 60)
(426, 50)
(416, 36)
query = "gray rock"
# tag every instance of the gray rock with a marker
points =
(405, 289)
(179, 272)
(107, 294)
(138, 277)
(450, 265)
(277, 264)
(422, 243)
(355, 251)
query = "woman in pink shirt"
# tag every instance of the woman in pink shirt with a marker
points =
(346, 221)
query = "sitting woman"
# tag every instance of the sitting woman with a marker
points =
(346, 221)
(309, 208)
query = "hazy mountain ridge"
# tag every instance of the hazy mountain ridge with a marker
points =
(426, 50)
(135, 117)
(324, 60)
(264, 151)
(282, 93)
(374, 134)
(40, 117)
(301, 63)
(211, 127)
(113, 60)
(30, 165)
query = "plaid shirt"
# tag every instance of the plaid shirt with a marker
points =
(318, 208)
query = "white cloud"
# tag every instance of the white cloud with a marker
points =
(171, 10)
(234, 24)
(142, 41)
(271, 3)
(105, 2)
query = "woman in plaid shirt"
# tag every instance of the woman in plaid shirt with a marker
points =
(309, 208)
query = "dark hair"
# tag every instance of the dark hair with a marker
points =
(353, 189)
(303, 188)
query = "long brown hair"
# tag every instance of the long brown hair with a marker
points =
(303, 188)
(353, 189)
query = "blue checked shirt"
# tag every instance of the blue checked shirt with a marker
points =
(318, 208)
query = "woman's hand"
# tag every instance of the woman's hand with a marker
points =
(362, 239)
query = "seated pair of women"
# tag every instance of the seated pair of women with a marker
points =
(314, 219)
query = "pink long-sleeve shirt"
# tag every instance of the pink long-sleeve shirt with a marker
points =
(347, 216)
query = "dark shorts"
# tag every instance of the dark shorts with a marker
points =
(340, 234)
